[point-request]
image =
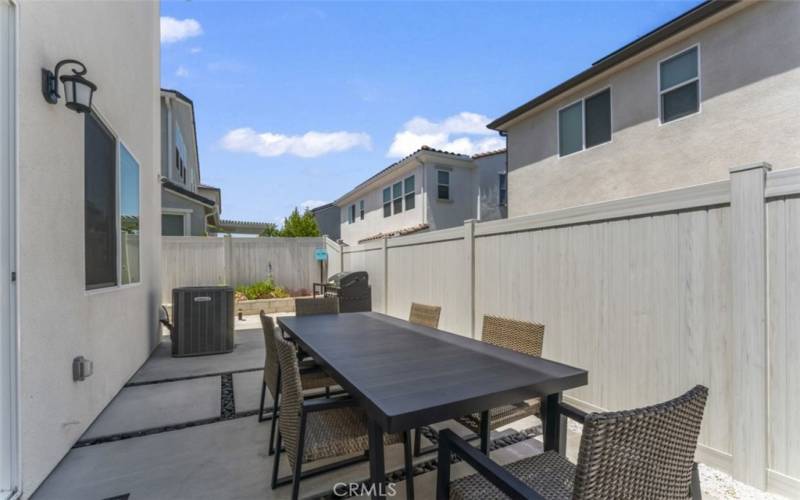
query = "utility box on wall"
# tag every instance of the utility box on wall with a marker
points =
(203, 320)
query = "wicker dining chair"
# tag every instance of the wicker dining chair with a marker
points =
(646, 453)
(321, 428)
(318, 305)
(521, 336)
(312, 377)
(422, 314)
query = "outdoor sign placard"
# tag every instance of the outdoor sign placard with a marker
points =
(320, 254)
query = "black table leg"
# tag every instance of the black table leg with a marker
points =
(377, 469)
(555, 424)
(485, 432)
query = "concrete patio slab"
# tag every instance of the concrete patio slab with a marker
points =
(248, 354)
(225, 460)
(247, 388)
(157, 405)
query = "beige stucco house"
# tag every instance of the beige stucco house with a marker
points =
(80, 223)
(427, 190)
(714, 88)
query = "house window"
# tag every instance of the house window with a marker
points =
(397, 197)
(129, 216)
(173, 224)
(585, 124)
(361, 209)
(387, 202)
(502, 191)
(408, 188)
(351, 213)
(443, 184)
(679, 85)
(100, 209)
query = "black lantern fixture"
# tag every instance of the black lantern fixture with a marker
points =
(78, 90)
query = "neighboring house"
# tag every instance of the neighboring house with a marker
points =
(717, 87)
(188, 207)
(80, 247)
(427, 190)
(327, 217)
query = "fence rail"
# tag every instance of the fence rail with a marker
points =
(651, 294)
(189, 261)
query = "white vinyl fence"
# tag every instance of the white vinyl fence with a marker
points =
(651, 295)
(190, 261)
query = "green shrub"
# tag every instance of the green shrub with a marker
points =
(266, 289)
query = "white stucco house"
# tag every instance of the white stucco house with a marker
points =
(715, 87)
(427, 190)
(80, 221)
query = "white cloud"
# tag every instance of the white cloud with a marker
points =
(174, 30)
(195, 50)
(309, 145)
(464, 133)
(182, 71)
(309, 204)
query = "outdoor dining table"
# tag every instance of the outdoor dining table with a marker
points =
(406, 376)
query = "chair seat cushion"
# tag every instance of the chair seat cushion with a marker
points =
(504, 415)
(316, 379)
(550, 474)
(339, 432)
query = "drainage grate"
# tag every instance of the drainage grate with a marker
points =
(126, 496)
(228, 402)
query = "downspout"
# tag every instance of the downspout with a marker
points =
(424, 192)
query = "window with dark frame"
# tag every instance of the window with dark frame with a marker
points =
(352, 213)
(585, 123)
(679, 85)
(173, 225)
(397, 197)
(100, 209)
(387, 202)
(361, 209)
(408, 189)
(502, 192)
(443, 184)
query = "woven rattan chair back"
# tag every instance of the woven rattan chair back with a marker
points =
(425, 315)
(291, 396)
(271, 355)
(320, 305)
(644, 453)
(520, 336)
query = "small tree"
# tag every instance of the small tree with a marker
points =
(297, 225)
(271, 230)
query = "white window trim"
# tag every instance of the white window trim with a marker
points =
(187, 220)
(11, 358)
(400, 197)
(698, 79)
(117, 141)
(582, 100)
(413, 192)
(121, 144)
(449, 184)
(383, 203)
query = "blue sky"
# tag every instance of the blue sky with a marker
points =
(299, 102)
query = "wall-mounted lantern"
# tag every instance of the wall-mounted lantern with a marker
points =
(78, 90)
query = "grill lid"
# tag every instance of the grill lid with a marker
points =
(348, 279)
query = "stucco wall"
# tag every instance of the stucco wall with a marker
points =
(463, 201)
(488, 172)
(328, 220)
(374, 222)
(115, 328)
(750, 87)
(197, 217)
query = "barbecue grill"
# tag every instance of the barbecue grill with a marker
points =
(352, 289)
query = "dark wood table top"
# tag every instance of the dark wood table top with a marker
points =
(407, 375)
